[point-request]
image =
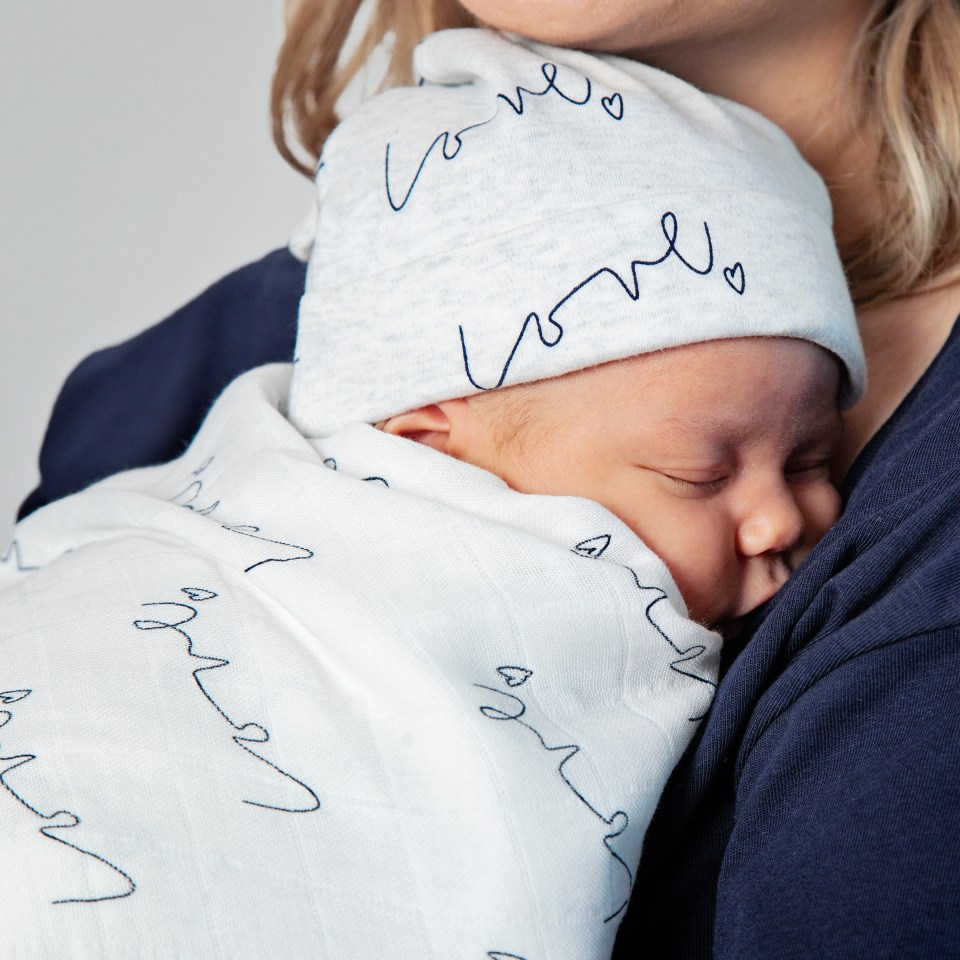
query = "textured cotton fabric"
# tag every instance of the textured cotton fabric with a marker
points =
(528, 211)
(342, 699)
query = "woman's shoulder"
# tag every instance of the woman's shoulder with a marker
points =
(140, 402)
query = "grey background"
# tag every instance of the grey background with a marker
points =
(136, 168)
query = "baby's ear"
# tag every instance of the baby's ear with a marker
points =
(428, 425)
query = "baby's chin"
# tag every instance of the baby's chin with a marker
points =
(714, 614)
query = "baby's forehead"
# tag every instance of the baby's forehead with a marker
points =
(789, 359)
(719, 388)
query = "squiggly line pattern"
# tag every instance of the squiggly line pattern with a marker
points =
(451, 143)
(13, 553)
(670, 229)
(618, 821)
(685, 655)
(332, 464)
(12, 763)
(245, 733)
(595, 547)
(192, 492)
(248, 530)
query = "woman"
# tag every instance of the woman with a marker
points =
(814, 815)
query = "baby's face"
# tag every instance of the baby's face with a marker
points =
(717, 455)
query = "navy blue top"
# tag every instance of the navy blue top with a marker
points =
(150, 394)
(815, 815)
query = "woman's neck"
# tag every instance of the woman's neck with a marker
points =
(901, 338)
(800, 72)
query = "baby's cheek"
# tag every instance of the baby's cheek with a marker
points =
(823, 512)
(703, 572)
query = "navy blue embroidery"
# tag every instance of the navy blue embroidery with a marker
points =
(193, 490)
(198, 594)
(11, 696)
(670, 230)
(685, 655)
(515, 676)
(13, 553)
(448, 152)
(67, 819)
(500, 955)
(451, 143)
(332, 464)
(246, 732)
(248, 530)
(613, 105)
(594, 547)
(549, 71)
(617, 821)
(526, 323)
(735, 278)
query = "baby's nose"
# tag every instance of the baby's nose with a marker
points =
(774, 524)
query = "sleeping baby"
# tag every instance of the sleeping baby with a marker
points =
(396, 659)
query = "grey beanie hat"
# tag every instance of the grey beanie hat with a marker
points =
(527, 211)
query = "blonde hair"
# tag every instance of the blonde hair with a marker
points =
(910, 61)
(907, 65)
(310, 77)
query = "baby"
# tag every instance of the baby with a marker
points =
(315, 690)
(716, 455)
(513, 220)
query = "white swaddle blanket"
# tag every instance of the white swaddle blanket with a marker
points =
(345, 698)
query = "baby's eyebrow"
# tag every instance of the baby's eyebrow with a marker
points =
(803, 427)
(697, 426)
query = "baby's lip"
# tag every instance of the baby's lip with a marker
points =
(779, 573)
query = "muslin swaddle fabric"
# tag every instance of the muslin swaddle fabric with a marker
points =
(339, 698)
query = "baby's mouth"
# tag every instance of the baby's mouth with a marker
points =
(777, 573)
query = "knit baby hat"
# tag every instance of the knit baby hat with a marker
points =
(527, 211)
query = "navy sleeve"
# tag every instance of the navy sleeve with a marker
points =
(141, 402)
(844, 841)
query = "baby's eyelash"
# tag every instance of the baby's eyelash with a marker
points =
(701, 486)
(809, 469)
